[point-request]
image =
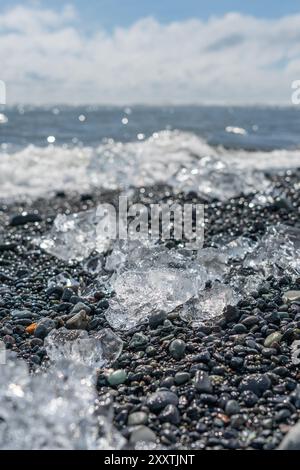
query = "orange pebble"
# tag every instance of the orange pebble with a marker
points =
(31, 328)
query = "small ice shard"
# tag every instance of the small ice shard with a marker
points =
(94, 350)
(56, 410)
(233, 248)
(214, 261)
(209, 305)
(75, 236)
(161, 280)
(238, 248)
(245, 285)
(277, 251)
(63, 279)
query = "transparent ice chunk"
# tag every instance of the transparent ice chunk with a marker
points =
(278, 250)
(214, 261)
(75, 236)
(161, 280)
(209, 305)
(55, 410)
(245, 285)
(94, 350)
(63, 279)
(214, 178)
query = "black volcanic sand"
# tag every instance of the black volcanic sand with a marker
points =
(220, 386)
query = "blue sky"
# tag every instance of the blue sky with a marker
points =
(111, 13)
(156, 52)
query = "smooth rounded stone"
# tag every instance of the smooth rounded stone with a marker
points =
(157, 319)
(150, 351)
(43, 328)
(103, 304)
(170, 414)
(142, 434)
(282, 415)
(23, 314)
(36, 342)
(167, 382)
(181, 378)
(177, 349)
(291, 296)
(256, 383)
(292, 439)
(117, 377)
(273, 317)
(232, 407)
(54, 292)
(78, 322)
(7, 247)
(268, 352)
(137, 418)
(8, 340)
(281, 371)
(23, 219)
(203, 356)
(250, 399)
(237, 363)
(202, 382)
(231, 313)
(139, 341)
(35, 359)
(272, 338)
(159, 400)
(79, 307)
(288, 335)
(239, 328)
(250, 321)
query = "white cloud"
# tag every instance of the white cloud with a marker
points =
(46, 57)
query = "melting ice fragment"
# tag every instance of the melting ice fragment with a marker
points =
(161, 280)
(214, 261)
(95, 350)
(75, 236)
(245, 285)
(210, 304)
(63, 279)
(238, 248)
(214, 178)
(279, 249)
(56, 410)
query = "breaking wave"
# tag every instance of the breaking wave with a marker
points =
(182, 160)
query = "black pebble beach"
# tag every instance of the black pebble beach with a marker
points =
(227, 384)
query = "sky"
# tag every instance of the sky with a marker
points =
(149, 51)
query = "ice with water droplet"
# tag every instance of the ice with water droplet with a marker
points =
(94, 350)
